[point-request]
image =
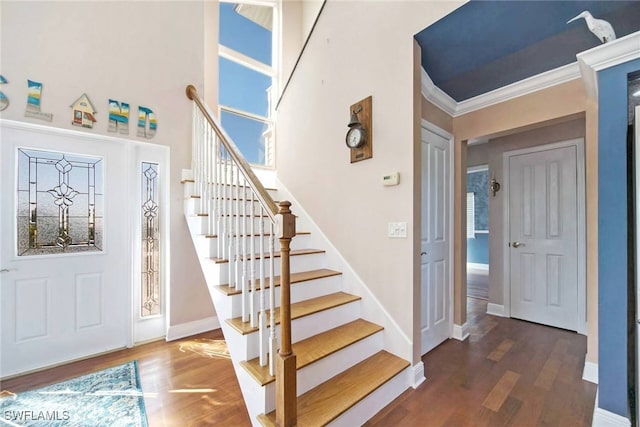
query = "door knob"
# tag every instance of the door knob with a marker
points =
(516, 244)
(423, 253)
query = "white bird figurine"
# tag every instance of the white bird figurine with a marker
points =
(601, 28)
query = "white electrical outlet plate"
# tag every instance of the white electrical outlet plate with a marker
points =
(397, 230)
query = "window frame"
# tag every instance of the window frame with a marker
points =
(272, 71)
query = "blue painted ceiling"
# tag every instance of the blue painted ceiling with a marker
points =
(485, 45)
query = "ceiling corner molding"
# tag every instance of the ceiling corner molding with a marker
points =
(604, 56)
(524, 87)
(433, 93)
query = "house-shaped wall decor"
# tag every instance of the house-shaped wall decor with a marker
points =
(83, 112)
(4, 101)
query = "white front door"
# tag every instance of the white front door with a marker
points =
(65, 250)
(435, 241)
(543, 236)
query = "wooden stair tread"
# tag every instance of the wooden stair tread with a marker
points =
(329, 400)
(299, 309)
(317, 347)
(304, 276)
(295, 252)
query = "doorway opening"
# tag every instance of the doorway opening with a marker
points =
(478, 231)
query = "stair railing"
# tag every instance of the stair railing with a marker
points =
(236, 205)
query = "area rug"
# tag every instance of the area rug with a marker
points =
(111, 398)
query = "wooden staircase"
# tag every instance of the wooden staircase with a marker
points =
(340, 356)
(344, 375)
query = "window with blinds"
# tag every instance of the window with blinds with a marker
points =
(471, 215)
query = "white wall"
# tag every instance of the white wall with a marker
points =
(142, 53)
(359, 49)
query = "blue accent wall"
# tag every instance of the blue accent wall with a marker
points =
(612, 237)
(478, 249)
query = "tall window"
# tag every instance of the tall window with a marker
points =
(150, 292)
(246, 78)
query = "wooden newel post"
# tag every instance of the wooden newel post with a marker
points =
(286, 389)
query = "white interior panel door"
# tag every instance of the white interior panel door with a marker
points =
(543, 243)
(435, 246)
(64, 252)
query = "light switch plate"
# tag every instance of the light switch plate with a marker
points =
(397, 230)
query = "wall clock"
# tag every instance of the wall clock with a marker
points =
(359, 136)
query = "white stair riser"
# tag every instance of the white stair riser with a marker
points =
(195, 205)
(307, 326)
(324, 369)
(298, 263)
(299, 292)
(375, 402)
(208, 246)
(200, 225)
(315, 374)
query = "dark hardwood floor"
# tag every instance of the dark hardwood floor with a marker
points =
(186, 383)
(508, 373)
(477, 283)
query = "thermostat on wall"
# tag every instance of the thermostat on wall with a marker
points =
(391, 179)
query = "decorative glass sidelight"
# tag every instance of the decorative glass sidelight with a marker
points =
(150, 291)
(60, 203)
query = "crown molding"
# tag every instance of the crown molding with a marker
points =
(523, 87)
(434, 94)
(605, 56)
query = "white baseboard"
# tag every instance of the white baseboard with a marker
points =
(590, 372)
(478, 266)
(182, 330)
(602, 418)
(461, 332)
(418, 374)
(495, 309)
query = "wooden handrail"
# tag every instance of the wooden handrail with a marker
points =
(261, 193)
(284, 227)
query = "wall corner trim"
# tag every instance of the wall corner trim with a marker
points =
(590, 372)
(496, 310)
(461, 332)
(417, 374)
(182, 330)
(603, 418)
(605, 56)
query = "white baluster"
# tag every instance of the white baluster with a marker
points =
(237, 235)
(218, 201)
(229, 204)
(263, 290)
(273, 340)
(245, 261)
(223, 184)
(204, 206)
(211, 201)
(252, 303)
